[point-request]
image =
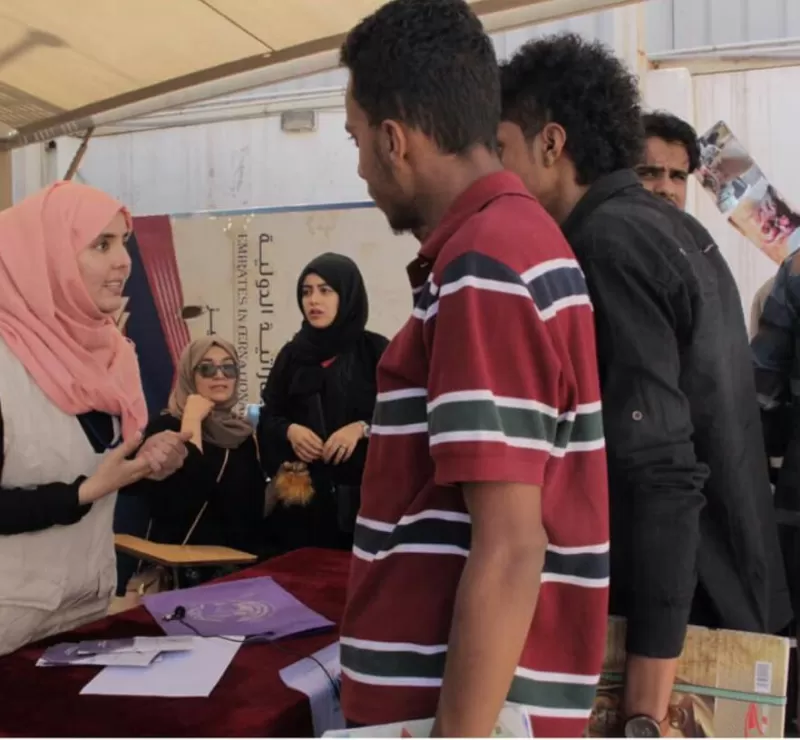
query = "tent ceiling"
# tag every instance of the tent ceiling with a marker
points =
(66, 65)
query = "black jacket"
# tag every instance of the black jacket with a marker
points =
(234, 506)
(348, 390)
(690, 495)
(776, 353)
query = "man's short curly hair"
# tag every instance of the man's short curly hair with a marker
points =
(582, 86)
(674, 130)
(431, 65)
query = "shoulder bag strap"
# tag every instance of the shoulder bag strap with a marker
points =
(205, 505)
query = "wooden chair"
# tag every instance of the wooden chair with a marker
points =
(175, 557)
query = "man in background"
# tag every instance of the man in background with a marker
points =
(670, 155)
(480, 558)
(693, 533)
(759, 302)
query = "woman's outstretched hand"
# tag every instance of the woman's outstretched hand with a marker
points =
(115, 471)
(165, 452)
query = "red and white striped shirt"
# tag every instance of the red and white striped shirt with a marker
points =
(493, 378)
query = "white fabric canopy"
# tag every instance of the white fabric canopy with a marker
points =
(67, 65)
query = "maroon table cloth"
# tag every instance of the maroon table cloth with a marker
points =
(249, 701)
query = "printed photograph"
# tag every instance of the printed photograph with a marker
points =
(743, 194)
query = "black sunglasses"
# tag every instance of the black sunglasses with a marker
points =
(208, 370)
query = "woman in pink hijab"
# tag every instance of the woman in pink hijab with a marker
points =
(71, 409)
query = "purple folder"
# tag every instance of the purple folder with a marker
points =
(253, 606)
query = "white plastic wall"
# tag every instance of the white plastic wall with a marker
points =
(228, 165)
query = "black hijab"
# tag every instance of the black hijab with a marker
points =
(313, 346)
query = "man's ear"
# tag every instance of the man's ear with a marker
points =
(394, 141)
(554, 139)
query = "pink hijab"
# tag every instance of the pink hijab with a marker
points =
(74, 353)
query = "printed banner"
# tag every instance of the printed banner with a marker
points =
(235, 274)
(743, 194)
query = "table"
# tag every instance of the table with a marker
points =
(249, 701)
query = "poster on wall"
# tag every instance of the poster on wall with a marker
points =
(744, 195)
(235, 275)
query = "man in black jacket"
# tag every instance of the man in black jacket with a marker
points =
(693, 534)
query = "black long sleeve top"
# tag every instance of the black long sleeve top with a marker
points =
(41, 507)
(347, 395)
(234, 504)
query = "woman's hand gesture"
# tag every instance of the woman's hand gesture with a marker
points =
(197, 407)
(115, 471)
(341, 445)
(165, 452)
(306, 445)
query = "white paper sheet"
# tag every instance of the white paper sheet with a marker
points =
(194, 673)
(512, 722)
(308, 678)
(138, 660)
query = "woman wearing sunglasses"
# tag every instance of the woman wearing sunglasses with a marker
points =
(318, 404)
(217, 497)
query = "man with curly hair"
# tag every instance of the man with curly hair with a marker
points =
(693, 531)
(670, 155)
(480, 558)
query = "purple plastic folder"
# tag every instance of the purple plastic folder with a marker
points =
(253, 606)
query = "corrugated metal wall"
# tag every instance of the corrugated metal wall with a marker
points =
(594, 25)
(670, 25)
(686, 24)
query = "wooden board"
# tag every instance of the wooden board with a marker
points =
(180, 555)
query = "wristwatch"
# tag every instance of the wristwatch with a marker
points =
(642, 726)
(366, 428)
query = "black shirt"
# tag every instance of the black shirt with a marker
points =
(40, 507)
(689, 487)
(346, 394)
(193, 502)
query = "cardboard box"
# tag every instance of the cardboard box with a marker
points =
(730, 684)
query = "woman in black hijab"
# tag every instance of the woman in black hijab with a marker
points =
(317, 406)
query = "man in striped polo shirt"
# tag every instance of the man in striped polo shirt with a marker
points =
(480, 564)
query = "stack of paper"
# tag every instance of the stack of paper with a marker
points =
(133, 651)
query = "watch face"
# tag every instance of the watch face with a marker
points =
(642, 727)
